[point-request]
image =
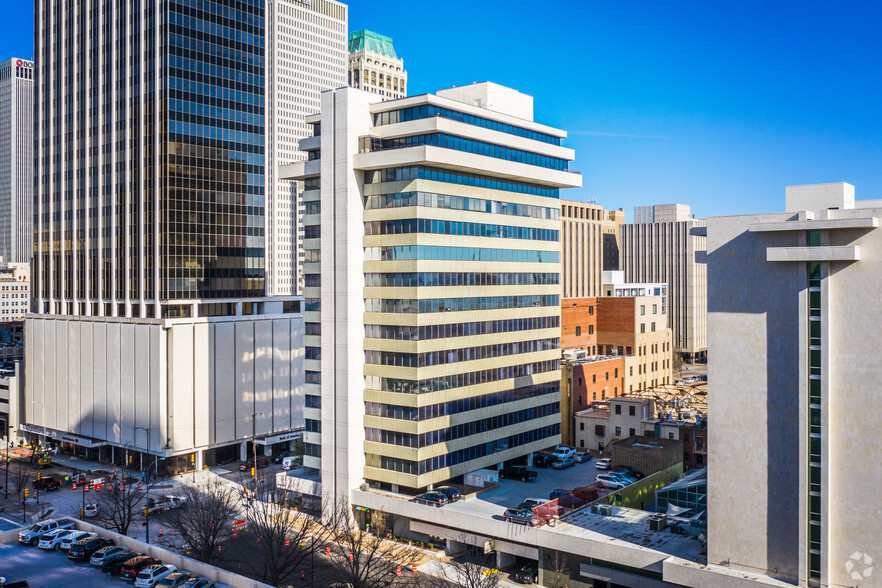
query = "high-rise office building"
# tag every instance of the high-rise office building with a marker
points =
(589, 245)
(16, 160)
(794, 410)
(375, 67)
(666, 244)
(306, 54)
(432, 285)
(153, 335)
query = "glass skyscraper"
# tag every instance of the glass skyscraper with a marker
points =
(150, 155)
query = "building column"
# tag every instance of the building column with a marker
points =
(243, 450)
(503, 560)
(199, 459)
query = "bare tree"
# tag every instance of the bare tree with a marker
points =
(19, 476)
(366, 559)
(283, 536)
(558, 573)
(471, 568)
(119, 503)
(206, 520)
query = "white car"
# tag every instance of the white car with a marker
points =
(52, 539)
(31, 535)
(603, 464)
(151, 575)
(73, 537)
(91, 510)
(610, 482)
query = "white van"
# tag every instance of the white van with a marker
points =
(288, 462)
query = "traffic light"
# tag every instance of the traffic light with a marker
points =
(252, 471)
(27, 492)
(38, 475)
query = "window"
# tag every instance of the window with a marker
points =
(580, 382)
(578, 331)
(580, 400)
(607, 376)
(699, 459)
(632, 410)
(616, 373)
(699, 443)
(590, 311)
(581, 443)
(594, 378)
(655, 309)
(632, 432)
(581, 426)
(618, 409)
(642, 327)
(600, 430)
(618, 431)
(671, 436)
(642, 309)
(653, 327)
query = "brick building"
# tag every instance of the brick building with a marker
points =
(586, 379)
(578, 324)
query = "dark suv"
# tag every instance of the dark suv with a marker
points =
(84, 548)
(114, 563)
(517, 473)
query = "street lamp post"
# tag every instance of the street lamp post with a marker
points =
(6, 465)
(254, 443)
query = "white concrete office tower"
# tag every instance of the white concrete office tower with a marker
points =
(306, 54)
(589, 246)
(793, 327)
(375, 67)
(16, 160)
(152, 334)
(665, 244)
(15, 287)
(432, 303)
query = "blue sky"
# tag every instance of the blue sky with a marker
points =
(716, 105)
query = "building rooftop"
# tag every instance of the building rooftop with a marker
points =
(580, 356)
(596, 412)
(365, 40)
(631, 526)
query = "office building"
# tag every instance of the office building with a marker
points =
(432, 301)
(589, 245)
(16, 160)
(375, 67)
(585, 379)
(152, 334)
(15, 286)
(792, 328)
(305, 55)
(666, 244)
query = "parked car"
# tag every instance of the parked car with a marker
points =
(73, 537)
(113, 564)
(149, 576)
(199, 583)
(532, 503)
(46, 483)
(431, 498)
(557, 493)
(278, 457)
(133, 567)
(91, 510)
(31, 535)
(527, 574)
(290, 462)
(262, 462)
(450, 492)
(99, 557)
(610, 482)
(565, 498)
(518, 515)
(603, 463)
(174, 580)
(634, 474)
(622, 476)
(85, 548)
(543, 460)
(564, 462)
(562, 452)
(518, 472)
(52, 539)
(583, 457)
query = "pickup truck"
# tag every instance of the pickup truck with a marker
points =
(517, 472)
(47, 483)
(165, 503)
(563, 452)
(31, 535)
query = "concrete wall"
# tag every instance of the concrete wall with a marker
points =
(192, 383)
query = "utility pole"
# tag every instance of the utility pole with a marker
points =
(6, 465)
(254, 444)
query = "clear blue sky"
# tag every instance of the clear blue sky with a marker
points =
(716, 105)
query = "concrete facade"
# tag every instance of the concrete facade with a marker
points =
(791, 332)
(16, 160)
(305, 55)
(164, 387)
(604, 422)
(433, 279)
(589, 246)
(669, 246)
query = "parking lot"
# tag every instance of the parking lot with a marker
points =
(50, 568)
